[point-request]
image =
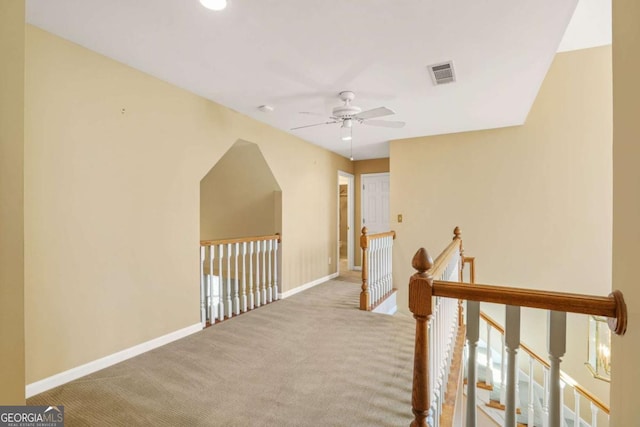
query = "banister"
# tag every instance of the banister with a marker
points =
(442, 260)
(379, 235)
(423, 287)
(566, 378)
(612, 306)
(366, 294)
(276, 236)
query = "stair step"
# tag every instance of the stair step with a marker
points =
(493, 388)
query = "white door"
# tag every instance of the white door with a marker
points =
(375, 202)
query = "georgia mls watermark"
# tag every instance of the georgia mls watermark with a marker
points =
(32, 416)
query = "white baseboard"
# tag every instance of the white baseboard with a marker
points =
(104, 362)
(306, 286)
(357, 267)
(388, 306)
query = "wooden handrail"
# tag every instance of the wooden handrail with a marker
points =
(381, 235)
(612, 306)
(566, 378)
(276, 236)
(445, 256)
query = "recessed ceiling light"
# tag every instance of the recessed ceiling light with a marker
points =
(265, 108)
(214, 4)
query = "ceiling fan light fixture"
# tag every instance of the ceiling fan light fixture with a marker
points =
(214, 4)
(345, 132)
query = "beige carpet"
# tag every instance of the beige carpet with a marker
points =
(310, 360)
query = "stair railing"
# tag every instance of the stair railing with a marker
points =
(377, 274)
(596, 405)
(237, 275)
(437, 322)
(425, 286)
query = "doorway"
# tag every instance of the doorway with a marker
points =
(375, 202)
(345, 221)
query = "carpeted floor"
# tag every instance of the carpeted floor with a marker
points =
(313, 359)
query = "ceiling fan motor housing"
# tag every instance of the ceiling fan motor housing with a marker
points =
(346, 111)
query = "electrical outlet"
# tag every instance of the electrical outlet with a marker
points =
(399, 217)
(329, 260)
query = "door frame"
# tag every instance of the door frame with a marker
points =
(350, 215)
(362, 191)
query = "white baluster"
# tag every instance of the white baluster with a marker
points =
(220, 282)
(251, 296)
(275, 270)
(473, 334)
(576, 408)
(557, 333)
(263, 294)
(488, 375)
(432, 365)
(503, 374)
(390, 265)
(258, 293)
(244, 277)
(229, 308)
(380, 276)
(270, 280)
(562, 417)
(214, 287)
(382, 269)
(203, 311)
(594, 415)
(512, 342)
(372, 272)
(236, 282)
(545, 400)
(530, 413)
(376, 269)
(379, 270)
(209, 278)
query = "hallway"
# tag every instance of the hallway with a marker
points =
(311, 359)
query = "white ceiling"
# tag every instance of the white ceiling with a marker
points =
(296, 56)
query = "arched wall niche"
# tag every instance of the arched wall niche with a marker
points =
(239, 196)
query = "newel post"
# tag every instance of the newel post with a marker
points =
(420, 304)
(365, 301)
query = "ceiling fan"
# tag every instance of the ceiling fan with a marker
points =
(347, 114)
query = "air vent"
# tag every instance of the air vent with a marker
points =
(442, 73)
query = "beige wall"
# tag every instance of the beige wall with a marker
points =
(12, 379)
(114, 158)
(626, 207)
(238, 196)
(360, 168)
(533, 201)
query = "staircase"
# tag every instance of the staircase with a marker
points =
(531, 398)
(502, 386)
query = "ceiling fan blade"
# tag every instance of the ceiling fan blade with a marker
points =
(384, 123)
(317, 124)
(376, 112)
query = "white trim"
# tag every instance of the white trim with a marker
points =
(388, 306)
(357, 267)
(350, 218)
(306, 286)
(104, 362)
